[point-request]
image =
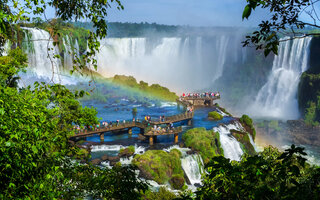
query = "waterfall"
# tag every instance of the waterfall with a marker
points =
(253, 144)
(169, 61)
(230, 145)
(41, 59)
(193, 167)
(278, 97)
(221, 45)
(67, 51)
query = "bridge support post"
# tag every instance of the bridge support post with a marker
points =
(189, 122)
(176, 138)
(102, 137)
(130, 131)
(151, 140)
(155, 139)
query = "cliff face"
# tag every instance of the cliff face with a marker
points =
(309, 86)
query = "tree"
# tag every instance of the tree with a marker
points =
(268, 175)
(285, 19)
(36, 159)
(14, 11)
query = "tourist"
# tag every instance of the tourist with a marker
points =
(163, 119)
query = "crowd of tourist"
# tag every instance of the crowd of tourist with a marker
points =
(201, 95)
(159, 128)
(105, 124)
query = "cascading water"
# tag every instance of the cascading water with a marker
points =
(41, 58)
(171, 62)
(193, 167)
(277, 98)
(230, 145)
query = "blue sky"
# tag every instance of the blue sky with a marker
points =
(185, 12)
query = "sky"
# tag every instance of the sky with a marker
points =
(186, 12)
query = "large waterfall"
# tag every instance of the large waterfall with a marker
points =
(43, 58)
(181, 63)
(41, 53)
(278, 97)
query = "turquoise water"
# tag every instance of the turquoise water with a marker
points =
(123, 111)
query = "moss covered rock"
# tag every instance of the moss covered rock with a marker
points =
(244, 140)
(215, 116)
(160, 166)
(247, 123)
(207, 143)
(177, 181)
(127, 152)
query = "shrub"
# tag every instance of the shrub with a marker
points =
(215, 115)
(206, 142)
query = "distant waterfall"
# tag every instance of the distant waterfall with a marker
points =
(277, 98)
(230, 145)
(169, 61)
(41, 55)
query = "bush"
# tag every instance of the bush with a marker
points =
(215, 116)
(159, 165)
(206, 142)
(247, 122)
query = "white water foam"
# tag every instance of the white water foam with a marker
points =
(278, 97)
(230, 145)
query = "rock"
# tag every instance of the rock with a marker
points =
(113, 163)
(96, 161)
(114, 159)
(177, 182)
(125, 153)
(145, 174)
(104, 158)
(197, 185)
(181, 144)
(190, 152)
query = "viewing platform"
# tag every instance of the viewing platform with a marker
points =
(197, 101)
(145, 128)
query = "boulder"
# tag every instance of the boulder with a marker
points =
(125, 153)
(104, 158)
(177, 182)
(96, 161)
(114, 159)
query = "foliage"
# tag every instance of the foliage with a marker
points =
(244, 140)
(309, 95)
(36, 159)
(247, 122)
(268, 175)
(284, 14)
(130, 150)
(159, 165)
(14, 11)
(162, 194)
(274, 124)
(154, 90)
(206, 142)
(134, 110)
(10, 66)
(215, 115)
(311, 114)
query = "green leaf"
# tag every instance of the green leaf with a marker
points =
(34, 149)
(246, 12)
